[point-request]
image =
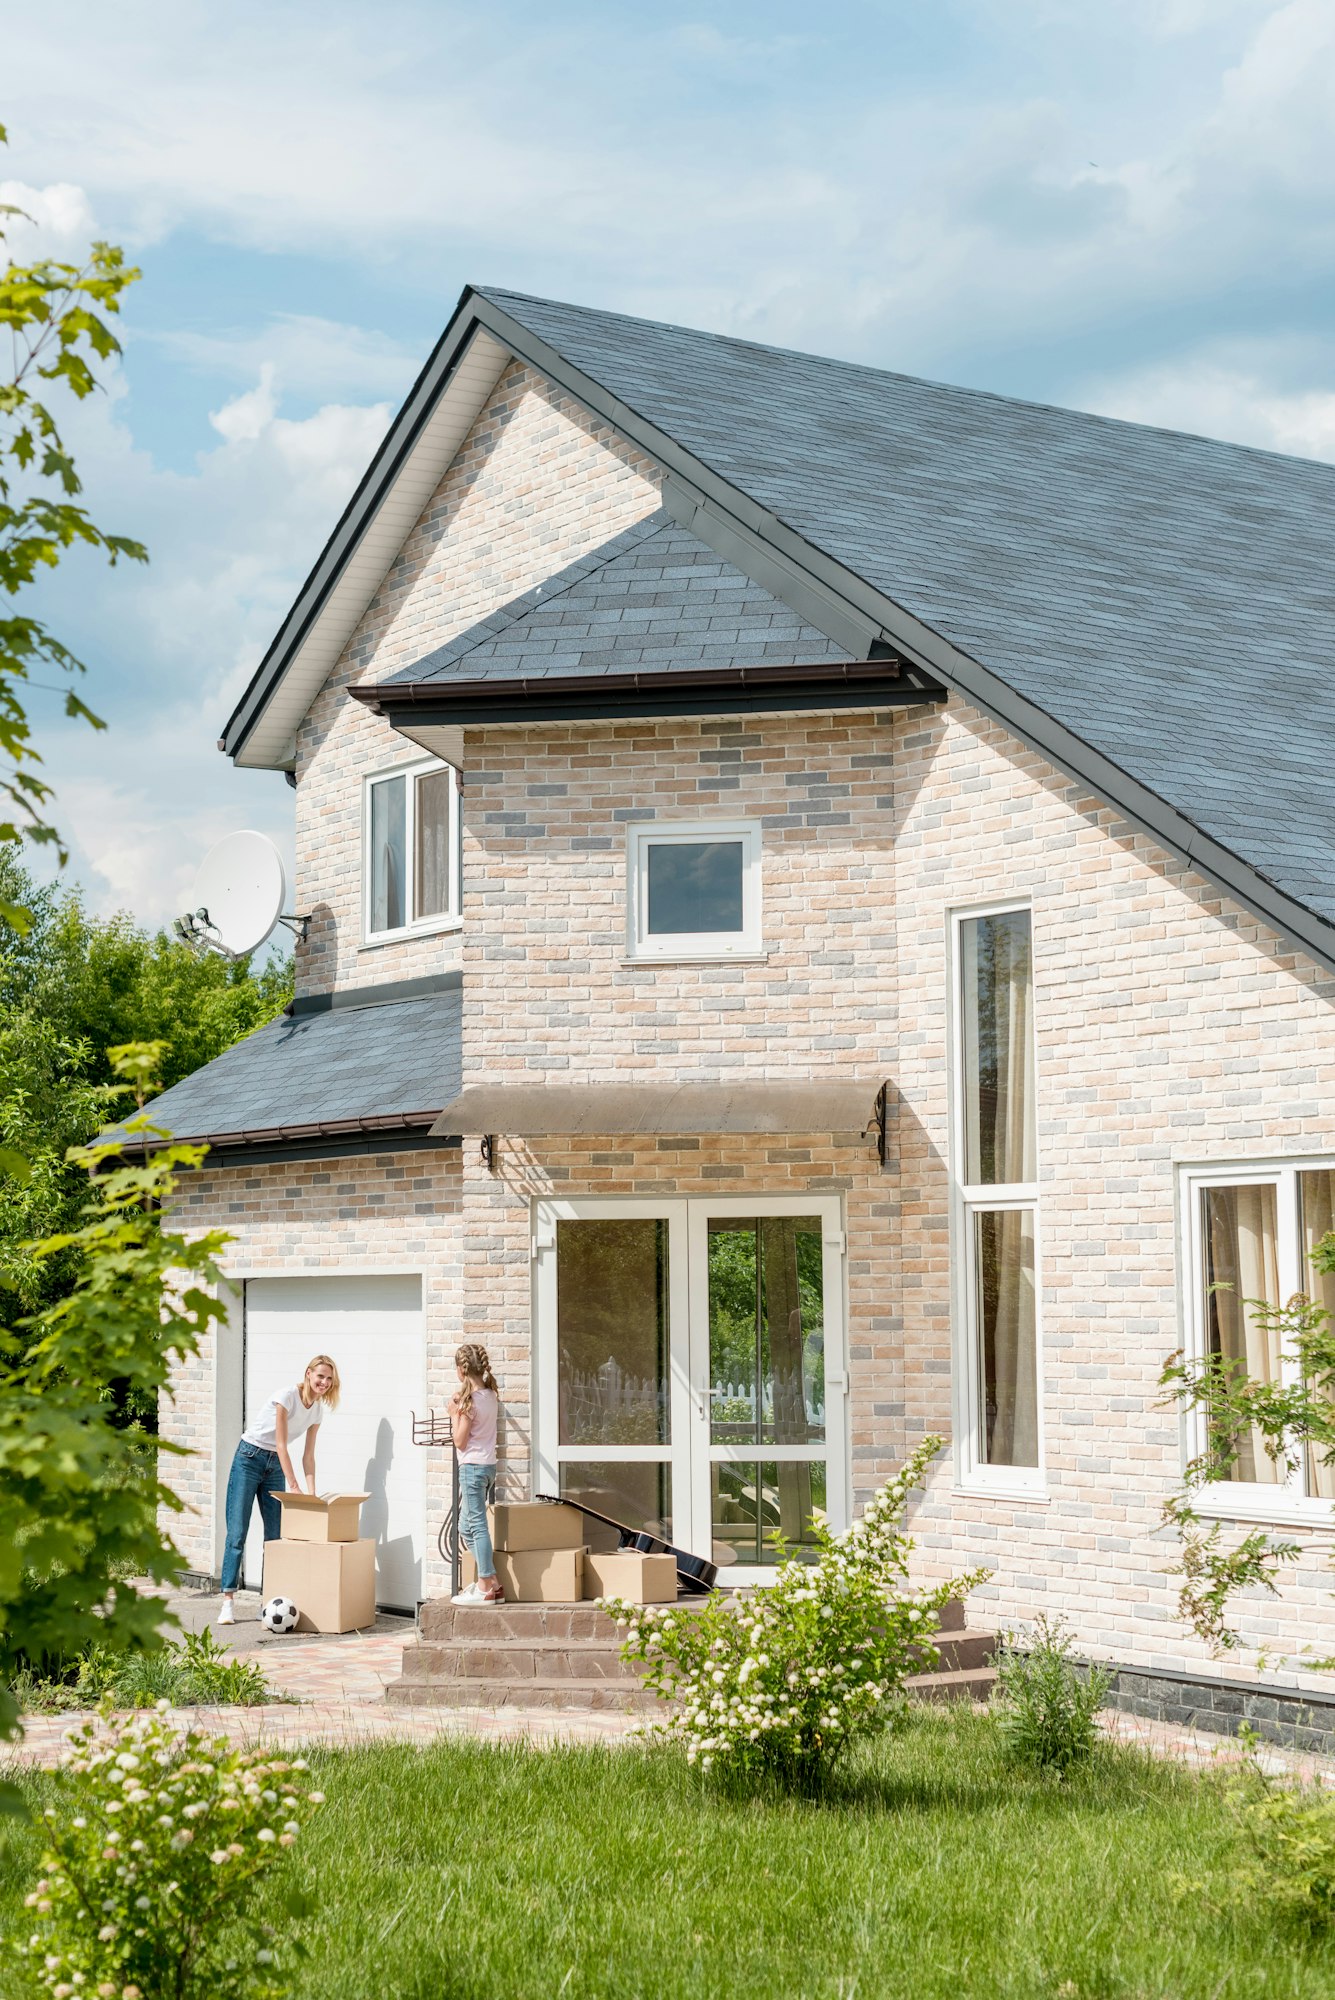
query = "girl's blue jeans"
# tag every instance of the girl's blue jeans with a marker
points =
(254, 1476)
(477, 1488)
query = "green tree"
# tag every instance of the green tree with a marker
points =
(81, 1496)
(72, 988)
(122, 1298)
(56, 315)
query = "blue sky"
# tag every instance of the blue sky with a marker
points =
(1129, 209)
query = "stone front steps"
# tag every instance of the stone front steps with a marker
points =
(568, 1656)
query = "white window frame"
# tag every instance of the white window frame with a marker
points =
(973, 1471)
(447, 920)
(641, 835)
(1229, 1499)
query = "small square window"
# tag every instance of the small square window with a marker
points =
(694, 890)
(411, 851)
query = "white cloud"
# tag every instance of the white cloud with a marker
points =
(249, 415)
(1216, 400)
(170, 648)
(55, 221)
(305, 354)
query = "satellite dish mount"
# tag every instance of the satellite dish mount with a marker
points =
(239, 895)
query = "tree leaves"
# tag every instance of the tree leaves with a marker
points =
(56, 314)
(80, 1496)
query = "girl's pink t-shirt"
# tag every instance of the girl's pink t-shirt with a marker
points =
(481, 1446)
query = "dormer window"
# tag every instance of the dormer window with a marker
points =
(694, 890)
(410, 847)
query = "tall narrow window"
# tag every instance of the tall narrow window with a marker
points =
(997, 1185)
(412, 850)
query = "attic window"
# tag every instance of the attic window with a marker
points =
(694, 890)
(410, 846)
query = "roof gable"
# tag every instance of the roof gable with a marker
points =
(655, 599)
(1152, 611)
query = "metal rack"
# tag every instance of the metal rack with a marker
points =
(433, 1431)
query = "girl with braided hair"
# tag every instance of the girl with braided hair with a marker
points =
(474, 1408)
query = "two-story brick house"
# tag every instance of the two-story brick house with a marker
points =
(822, 927)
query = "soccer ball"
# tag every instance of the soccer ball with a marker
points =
(280, 1614)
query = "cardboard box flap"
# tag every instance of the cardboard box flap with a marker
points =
(321, 1517)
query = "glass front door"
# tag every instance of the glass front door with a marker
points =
(690, 1363)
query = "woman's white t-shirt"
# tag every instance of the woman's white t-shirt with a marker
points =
(263, 1434)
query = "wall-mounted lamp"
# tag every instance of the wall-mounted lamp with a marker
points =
(882, 1120)
(488, 1152)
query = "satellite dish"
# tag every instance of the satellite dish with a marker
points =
(238, 900)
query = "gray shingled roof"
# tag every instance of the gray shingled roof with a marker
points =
(1167, 599)
(653, 599)
(348, 1067)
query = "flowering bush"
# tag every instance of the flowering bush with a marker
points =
(780, 1682)
(162, 1841)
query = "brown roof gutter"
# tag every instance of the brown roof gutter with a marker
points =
(443, 692)
(329, 1128)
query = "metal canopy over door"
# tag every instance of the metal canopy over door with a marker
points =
(372, 1327)
(691, 1367)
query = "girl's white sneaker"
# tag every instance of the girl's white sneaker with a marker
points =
(226, 1615)
(472, 1593)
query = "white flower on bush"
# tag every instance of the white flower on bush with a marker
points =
(150, 1900)
(789, 1708)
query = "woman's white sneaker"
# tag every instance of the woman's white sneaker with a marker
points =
(226, 1615)
(472, 1593)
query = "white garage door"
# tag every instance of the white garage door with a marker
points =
(372, 1327)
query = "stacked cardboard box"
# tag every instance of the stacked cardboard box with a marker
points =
(540, 1551)
(543, 1557)
(322, 1563)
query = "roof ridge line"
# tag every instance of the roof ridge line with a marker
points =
(1076, 412)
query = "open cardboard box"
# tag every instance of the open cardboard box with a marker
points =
(321, 1517)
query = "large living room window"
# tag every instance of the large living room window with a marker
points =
(1250, 1232)
(996, 1177)
(410, 844)
(693, 889)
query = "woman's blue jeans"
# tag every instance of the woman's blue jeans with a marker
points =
(477, 1488)
(254, 1475)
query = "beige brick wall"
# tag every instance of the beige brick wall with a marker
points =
(536, 484)
(547, 989)
(396, 1211)
(1171, 1026)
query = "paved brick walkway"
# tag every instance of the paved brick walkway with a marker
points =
(335, 1689)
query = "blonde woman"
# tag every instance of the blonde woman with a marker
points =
(474, 1408)
(262, 1464)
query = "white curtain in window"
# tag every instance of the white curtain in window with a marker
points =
(1000, 1140)
(1242, 1260)
(1317, 1192)
(1008, 1328)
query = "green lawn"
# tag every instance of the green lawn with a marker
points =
(503, 1874)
